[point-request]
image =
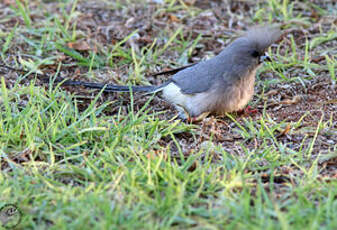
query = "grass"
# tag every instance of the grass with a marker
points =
(77, 159)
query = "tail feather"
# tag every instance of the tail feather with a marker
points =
(113, 88)
(106, 87)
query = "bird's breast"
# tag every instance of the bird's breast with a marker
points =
(245, 90)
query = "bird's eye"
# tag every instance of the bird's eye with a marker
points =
(255, 53)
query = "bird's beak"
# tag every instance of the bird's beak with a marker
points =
(264, 58)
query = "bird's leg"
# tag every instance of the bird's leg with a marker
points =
(185, 116)
(182, 113)
(250, 110)
(198, 118)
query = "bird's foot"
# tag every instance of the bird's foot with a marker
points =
(192, 120)
(185, 116)
(198, 118)
(249, 110)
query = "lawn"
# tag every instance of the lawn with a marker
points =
(75, 158)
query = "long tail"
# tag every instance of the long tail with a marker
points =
(106, 87)
(112, 88)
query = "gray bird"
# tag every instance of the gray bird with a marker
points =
(224, 83)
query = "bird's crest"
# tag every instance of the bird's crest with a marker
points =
(263, 36)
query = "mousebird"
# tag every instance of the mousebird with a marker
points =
(222, 84)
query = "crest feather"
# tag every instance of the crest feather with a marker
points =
(263, 36)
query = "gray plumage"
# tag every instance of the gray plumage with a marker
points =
(224, 83)
(233, 62)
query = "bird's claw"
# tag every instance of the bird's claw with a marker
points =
(198, 118)
(192, 119)
(250, 110)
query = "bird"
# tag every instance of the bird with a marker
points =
(219, 85)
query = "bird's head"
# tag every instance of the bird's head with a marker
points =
(250, 49)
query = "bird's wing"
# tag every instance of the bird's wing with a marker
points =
(197, 79)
